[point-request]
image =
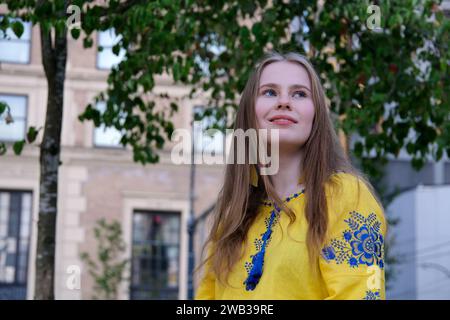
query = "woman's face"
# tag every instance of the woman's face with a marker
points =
(284, 102)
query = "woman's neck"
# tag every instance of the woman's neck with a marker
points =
(286, 180)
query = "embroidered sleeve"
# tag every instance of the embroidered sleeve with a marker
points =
(206, 288)
(352, 261)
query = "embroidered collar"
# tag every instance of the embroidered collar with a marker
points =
(294, 195)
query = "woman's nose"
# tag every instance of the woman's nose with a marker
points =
(283, 102)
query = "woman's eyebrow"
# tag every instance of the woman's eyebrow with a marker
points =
(294, 86)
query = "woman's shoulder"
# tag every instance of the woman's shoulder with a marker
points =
(349, 192)
(344, 176)
(355, 217)
(349, 183)
(344, 183)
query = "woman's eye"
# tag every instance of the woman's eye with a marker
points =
(300, 93)
(269, 92)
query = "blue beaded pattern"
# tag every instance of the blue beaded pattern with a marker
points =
(268, 203)
(255, 267)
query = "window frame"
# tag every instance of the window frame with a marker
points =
(18, 238)
(119, 146)
(152, 212)
(97, 66)
(201, 150)
(28, 62)
(9, 141)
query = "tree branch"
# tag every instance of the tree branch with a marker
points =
(47, 51)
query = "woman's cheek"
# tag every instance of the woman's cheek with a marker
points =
(261, 109)
(259, 117)
(308, 112)
(310, 122)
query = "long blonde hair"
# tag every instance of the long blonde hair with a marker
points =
(238, 200)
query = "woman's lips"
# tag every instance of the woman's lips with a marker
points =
(282, 121)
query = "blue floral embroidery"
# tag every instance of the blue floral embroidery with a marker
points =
(328, 253)
(372, 295)
(255, 267)
(362, 244)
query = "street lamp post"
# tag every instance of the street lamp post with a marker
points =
(191, 221)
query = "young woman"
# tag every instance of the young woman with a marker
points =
(313, 230)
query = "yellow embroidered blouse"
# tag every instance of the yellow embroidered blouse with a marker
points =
(351, 265)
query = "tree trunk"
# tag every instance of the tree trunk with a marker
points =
(54, 56)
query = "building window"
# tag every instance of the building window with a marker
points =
(106, 137)
(155, 255)
(203, 140)
(18, 108)
(15, 227)
(106, 59)
(13, 49)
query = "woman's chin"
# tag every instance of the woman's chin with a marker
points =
(289, 141)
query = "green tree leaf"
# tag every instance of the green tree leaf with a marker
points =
(75, 32)
(17, 28)
(2, 148)
(18, 147)
(32, 134)
(2, 107)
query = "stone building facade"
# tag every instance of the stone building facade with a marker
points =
(97, 179)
